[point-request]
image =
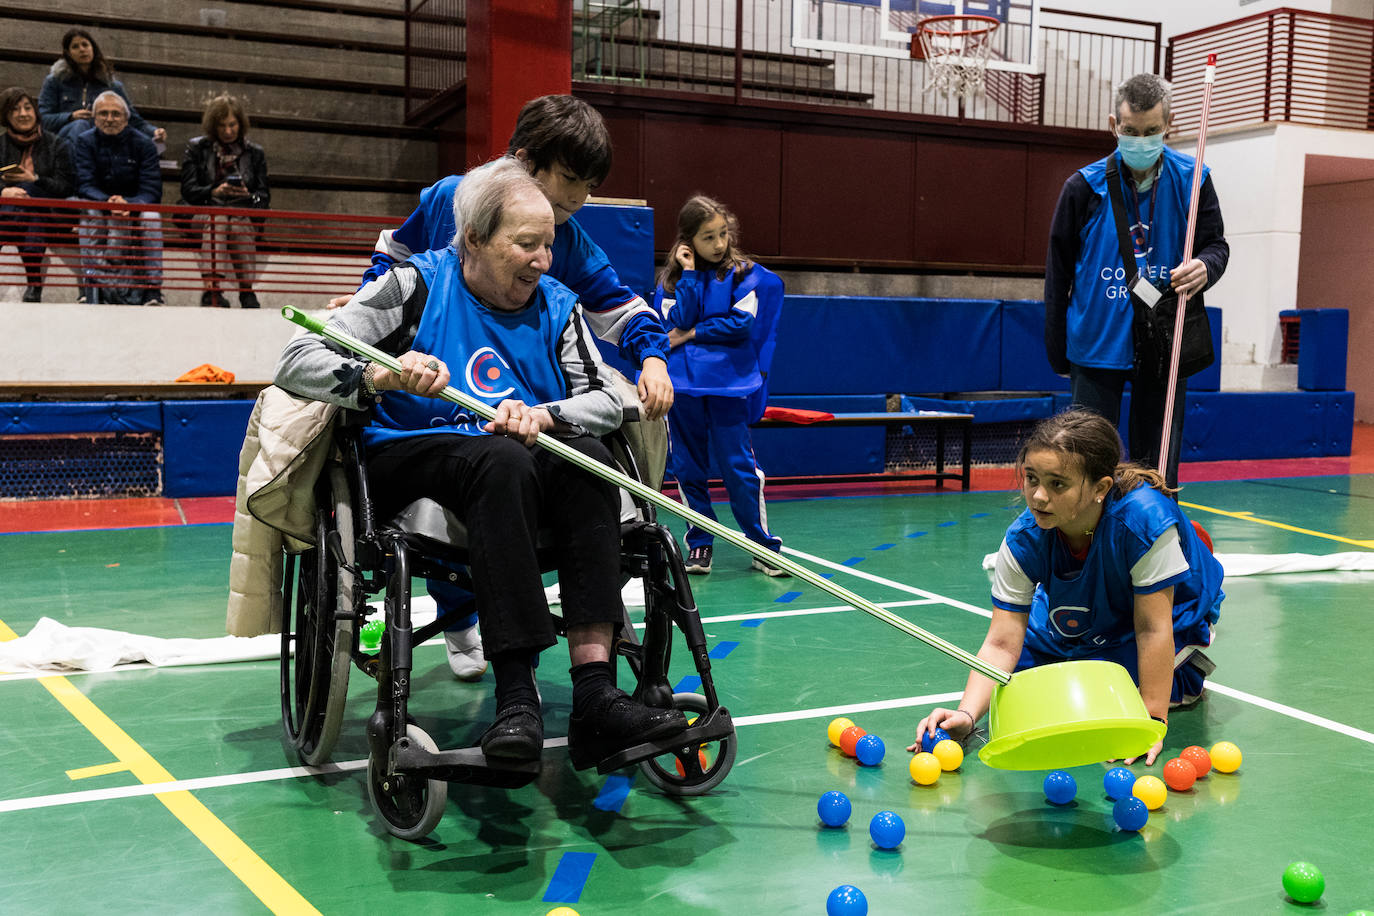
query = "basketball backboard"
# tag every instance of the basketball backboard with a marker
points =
(884, 28)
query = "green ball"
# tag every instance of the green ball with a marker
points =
(1303, 882)
(370, 636)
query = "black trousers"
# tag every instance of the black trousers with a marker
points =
(1100, 390)
(505, 492)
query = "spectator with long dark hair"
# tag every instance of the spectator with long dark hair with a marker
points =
(222, 168)
(67, 101)
(36, 164)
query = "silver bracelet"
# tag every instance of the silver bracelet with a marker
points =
(369, 382)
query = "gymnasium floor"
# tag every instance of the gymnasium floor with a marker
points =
(167, 790)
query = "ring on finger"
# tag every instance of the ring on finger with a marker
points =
(433, 365)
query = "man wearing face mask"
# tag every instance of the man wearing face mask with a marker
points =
(1088, 288)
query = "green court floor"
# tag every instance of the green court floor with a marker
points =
(226, 826)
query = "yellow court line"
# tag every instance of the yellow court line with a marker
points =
(1251, 517)
(100, 769)
(247, 865)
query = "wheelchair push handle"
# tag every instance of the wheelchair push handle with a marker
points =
(592, 466)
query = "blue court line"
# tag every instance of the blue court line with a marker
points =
(723, 649)
(884, 546)
(613, 793)
(979, 515)
(786, 597)
(569, 877)
(827, 575)
(853, 561)
(915, 534)
(946, 524)
(689, 684)
(756, 622)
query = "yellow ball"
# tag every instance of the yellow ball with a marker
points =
(1150, 790)
(836, 728)
(562, 911)
(925, 769)
(1225, 757)
(949, 753)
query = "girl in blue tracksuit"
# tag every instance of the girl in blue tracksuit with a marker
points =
(720, 309)
(1101, 565)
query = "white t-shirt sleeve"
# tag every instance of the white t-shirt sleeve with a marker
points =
(1010, 584)
(1164, 560)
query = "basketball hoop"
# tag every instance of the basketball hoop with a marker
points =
(956, 50)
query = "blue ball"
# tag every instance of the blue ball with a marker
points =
(869, 750)
(1117, 783)
(1060, 787)
(887, 830)
(833, 809)
(1130, 813)
(928, 742)
(846, 900)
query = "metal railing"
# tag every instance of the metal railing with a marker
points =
(1285, 65)
(436, 51)
(126, 253)
(1085, 56)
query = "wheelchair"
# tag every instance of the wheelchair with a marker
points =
(355, 556)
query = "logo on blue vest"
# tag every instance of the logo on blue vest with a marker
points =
(1071, 622)
(486, 373)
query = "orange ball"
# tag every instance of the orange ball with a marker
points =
(701, 759)
(1179, 774)
(1199, 758)
(850, 737)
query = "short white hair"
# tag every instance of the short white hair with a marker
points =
(482, 196)
(109, 95)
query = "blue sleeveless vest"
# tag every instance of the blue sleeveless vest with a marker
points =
(491, 355)
(1099, 315)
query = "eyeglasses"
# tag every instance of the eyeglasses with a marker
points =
(110, 115)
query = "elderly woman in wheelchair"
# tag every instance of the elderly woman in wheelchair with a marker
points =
(480, 314)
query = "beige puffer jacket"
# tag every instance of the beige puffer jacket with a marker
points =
(274, 507)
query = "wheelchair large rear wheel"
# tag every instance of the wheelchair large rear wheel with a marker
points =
(695, 770)
(410, 805)
(316, 647)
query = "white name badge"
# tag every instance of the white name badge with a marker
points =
(1145, 291)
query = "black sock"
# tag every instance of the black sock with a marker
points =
(591, 682)
(514, 679)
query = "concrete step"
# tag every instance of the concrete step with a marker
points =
(192, 52)
(227, 14)
(190, 92)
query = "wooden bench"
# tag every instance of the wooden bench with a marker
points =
(943, 421)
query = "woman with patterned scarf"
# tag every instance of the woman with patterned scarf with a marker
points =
(35, 164)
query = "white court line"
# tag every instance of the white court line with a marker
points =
(890, 583)
(349, 766)
(1291, 712)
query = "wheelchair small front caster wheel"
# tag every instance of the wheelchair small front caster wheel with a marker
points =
(410, 805)
(693, 769)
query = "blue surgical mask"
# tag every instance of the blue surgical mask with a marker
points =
(1140, 153)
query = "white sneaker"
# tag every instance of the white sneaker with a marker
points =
(465, 656)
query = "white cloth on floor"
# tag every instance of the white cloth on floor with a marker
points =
(632, 595)
(53, 646)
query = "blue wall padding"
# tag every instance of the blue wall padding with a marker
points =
(626, 234)
(1322, 341)
(25, 418)
(1247, 425)
(863, 344)
(992, 410)
(1209, 379)
(200, 446)
(808, 451)
(1024, 364)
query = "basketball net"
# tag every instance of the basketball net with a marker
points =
(956, 50)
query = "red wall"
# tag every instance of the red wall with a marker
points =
(834, 189)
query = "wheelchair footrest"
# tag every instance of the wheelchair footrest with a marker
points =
(712, 726)
(465, 764)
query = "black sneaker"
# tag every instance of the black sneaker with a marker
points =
(699, 561)
(517, 733)
(616, 723)
(33, 294)
(152, 297)
(768, 569)
(248, 300)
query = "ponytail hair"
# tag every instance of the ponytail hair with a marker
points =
(697, 212)
(1094, 443)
